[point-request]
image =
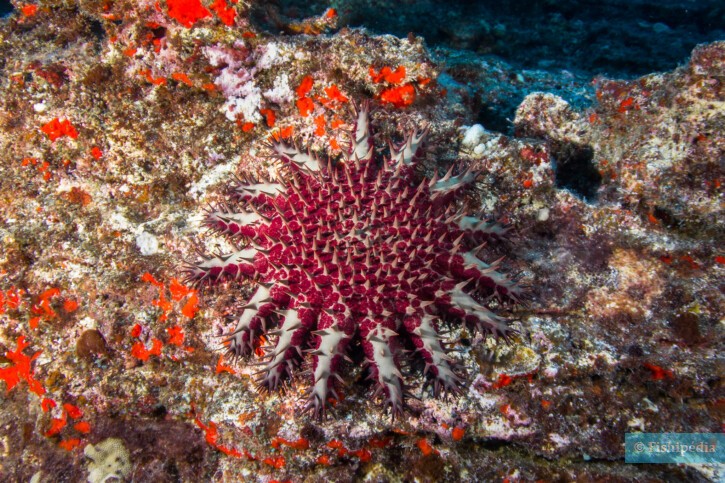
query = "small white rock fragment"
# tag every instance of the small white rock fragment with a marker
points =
(473, 135)
(147, 243)
(109, 461)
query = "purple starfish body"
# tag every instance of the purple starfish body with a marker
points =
(356, 252)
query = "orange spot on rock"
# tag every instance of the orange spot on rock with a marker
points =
(399, 96)
(29, 10)
(181, 77)
(57, 424)
(47, 404)
(147, 277)
(284, 133)
(191, 307)
(225, 14)
(625, 104)
(503, 381)
(334, 97)
(337, 444)
(320, 123)
(388, 75)
(187, 12)
(305, 87)
(70, 444)
(425, 447)
(56, 128)
(176, 335)
(277, 462)
(305, 106)
(82, 427)
(73, 411)
(458, 433)
(221, 367)
(658, 373)
(229, 451)
(211, 433)
(139, 350)
(666, 259)
(177, 290)
(300, 444)
(70, 306)
(157, 81)
(363, 454)
(691, 261)
(269, 116)
(379, 442)
(21, 368)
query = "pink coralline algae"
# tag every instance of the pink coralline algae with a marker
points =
(356, 261)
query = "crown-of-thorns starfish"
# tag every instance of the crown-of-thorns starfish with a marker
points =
(356, 254)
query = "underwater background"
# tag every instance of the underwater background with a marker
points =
(484, 238)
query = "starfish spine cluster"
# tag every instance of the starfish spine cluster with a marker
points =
(356, 256)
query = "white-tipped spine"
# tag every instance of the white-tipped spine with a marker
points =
(257, 189)
(389, 377)
(236, 341)
(450, 183)
(241, 219)
(487, 319)
(304, 160)
(361, 148)
(406, 153)
(432, 346)
(489, 271)
(472, 223)
(276, 365)
(331, 341)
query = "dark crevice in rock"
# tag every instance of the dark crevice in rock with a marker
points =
(575, 171)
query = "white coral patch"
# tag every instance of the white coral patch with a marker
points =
(280, 93)
(147, 243)
(473, 136)
(271, 56)
(246, 106)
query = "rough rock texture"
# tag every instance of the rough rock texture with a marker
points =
(120, 125)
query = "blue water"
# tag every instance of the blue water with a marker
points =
(622, 38)
(5, 7)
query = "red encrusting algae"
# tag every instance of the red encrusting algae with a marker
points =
(55, 129)
(21, 369)
(187, 12)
